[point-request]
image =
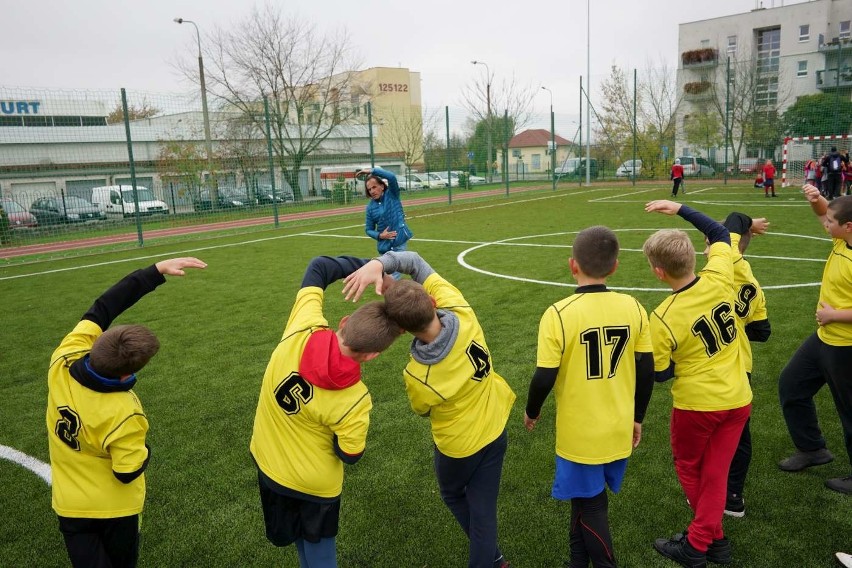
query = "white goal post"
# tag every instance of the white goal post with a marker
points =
(798, 150)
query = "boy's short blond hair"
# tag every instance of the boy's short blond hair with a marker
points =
(123, 350)
(410, 305)
(671, 250)
(596, 250)
(369, 329)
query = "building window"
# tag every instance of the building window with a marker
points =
(732, 44)
(768, 50)
(804, 32)
(536, 162)
(802, 71)
(766, 93)
(705, 43)
(845, 29)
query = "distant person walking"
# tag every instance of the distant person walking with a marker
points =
(676, 176)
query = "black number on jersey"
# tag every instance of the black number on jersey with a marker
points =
(745, 296)
(293, 392)
(718, 331)
(615, 336)
(68, 427)
(481, 360)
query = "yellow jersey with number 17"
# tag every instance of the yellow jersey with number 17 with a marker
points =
(593, 337)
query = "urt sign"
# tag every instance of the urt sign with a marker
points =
(19, 107)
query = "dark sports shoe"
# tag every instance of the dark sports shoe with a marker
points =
(803, 460)
(681, 552)
(840, 484)
(735, 505)
(719, 551)
(501, 562)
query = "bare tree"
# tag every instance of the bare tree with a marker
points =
(752, 101)
(307, 77)
(661, 99)
(144, 110)
(404, 132)
(510, 97)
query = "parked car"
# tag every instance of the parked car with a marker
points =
(696, 166)
(412, 181)
(438, 180)
(630, 169)
(67, 209)
(119, 200)
(228, 198)
(576, 168)
(747, 166)
(470, 178)
(19, 217)
(263, 195)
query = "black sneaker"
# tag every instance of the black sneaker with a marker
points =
(735, 505)
(840, 484)
(802, 460)
(719, 551)
(681, 552)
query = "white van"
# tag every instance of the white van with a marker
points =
(118, 200)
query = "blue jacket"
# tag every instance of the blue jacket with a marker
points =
(387, 213)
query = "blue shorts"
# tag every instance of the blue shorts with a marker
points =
(583, 480)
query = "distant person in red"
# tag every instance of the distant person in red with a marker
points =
(758, 181)
(769, 178)
(677, 176)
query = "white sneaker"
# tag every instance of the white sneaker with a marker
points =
(844, 559)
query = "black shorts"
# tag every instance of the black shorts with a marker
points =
(769, 182)
(101, 542)
(289, 519)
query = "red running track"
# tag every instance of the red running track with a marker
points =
(208, 227)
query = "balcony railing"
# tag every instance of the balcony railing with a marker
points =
(828, 79)
(698, 58)
(836, 44)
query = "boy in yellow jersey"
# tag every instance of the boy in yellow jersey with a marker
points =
(595, 348)
(450, 379)
(750, 308)
(826, 356)
(313, 414)
(695, 334)
(96, 426)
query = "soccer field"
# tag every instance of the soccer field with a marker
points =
(508, 256)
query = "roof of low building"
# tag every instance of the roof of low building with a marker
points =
(535, 137)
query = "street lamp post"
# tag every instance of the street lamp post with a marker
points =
(488, 119)
(552, 140)
(207, 141)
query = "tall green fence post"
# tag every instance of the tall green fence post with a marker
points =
(728, 138)
(269, 157)
(579, 181)
(449, 163)
(132, 165)
(370, 132)
(552, 148)
(506, 147)
(633, 166)
(450, 184)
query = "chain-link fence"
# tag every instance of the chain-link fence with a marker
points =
(130, 167)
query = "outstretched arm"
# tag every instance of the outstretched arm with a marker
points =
(713, 230)
(132, 287)
(325, 270)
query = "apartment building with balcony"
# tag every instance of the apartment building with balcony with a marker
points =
(783, 52)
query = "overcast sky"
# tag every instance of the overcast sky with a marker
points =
(107, 44)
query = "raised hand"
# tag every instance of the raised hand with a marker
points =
(371, 273)
(663, 206)
(175, 266)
